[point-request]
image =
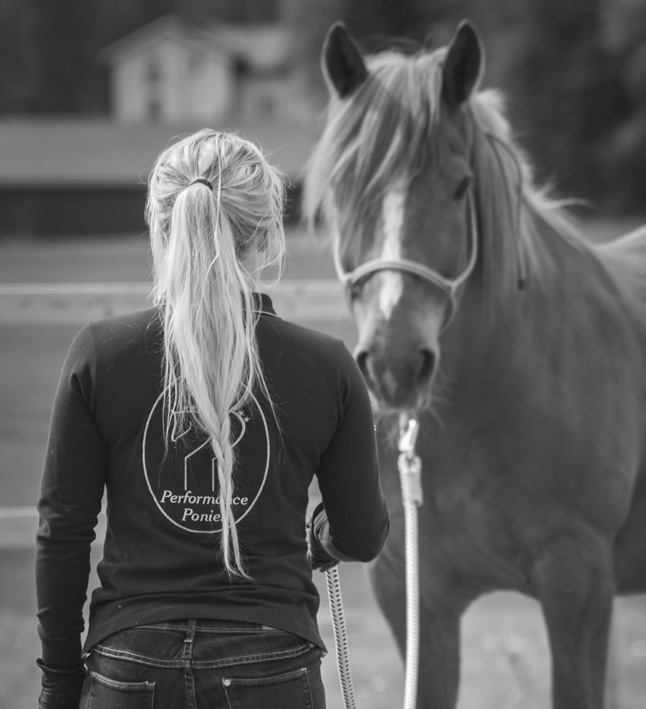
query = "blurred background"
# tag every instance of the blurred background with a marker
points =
(92, 90)
(78, 78)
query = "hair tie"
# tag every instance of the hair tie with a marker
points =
(202, 182)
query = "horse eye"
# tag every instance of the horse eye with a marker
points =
(464, 185)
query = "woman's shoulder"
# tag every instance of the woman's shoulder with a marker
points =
(117, 334)
(291, 343)
(289, 333)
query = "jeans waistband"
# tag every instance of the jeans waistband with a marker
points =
(208, 625)
(201, 644)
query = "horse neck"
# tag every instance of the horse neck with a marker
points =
(501, 322)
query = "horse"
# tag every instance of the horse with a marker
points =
(518, 345)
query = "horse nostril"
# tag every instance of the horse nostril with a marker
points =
(427, 365)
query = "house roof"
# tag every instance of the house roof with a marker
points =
(63, 152)
(261, 45)
(169, 26)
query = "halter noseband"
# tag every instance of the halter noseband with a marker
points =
(448, 286)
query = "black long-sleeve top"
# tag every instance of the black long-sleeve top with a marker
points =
(160, 556)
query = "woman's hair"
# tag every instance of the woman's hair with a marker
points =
(215, 213)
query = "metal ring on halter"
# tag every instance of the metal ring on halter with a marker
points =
(448, 286)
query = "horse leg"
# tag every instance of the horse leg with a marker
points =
(574, 584)
(439, 635)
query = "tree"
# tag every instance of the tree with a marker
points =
(19, 65)
(309, 21)
(378, 22)
(567, 95)
(49, 51)
(624, 35)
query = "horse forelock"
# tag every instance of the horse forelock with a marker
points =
(375, 138)
(386, 131)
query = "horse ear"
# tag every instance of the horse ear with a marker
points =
(463, 65)
(343, 66)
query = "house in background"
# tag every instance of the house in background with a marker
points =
(84, 176)
(176, 71)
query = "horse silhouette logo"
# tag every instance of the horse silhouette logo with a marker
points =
(183, 480)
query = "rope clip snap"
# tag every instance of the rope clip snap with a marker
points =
(409, 463)
(408, 430)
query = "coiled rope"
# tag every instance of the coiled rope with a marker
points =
(340, 636)
(410, 469)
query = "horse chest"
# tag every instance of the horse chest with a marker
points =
(476, 539)
(475, 525)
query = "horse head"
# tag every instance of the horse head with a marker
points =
(399, 202)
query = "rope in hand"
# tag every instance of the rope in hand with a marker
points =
(410, 468)
(340, 636)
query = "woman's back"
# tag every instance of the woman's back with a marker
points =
(160, 559)
(205, 420)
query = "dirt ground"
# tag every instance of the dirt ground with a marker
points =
(505, 656)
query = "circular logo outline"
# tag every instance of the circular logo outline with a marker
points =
(260, 488)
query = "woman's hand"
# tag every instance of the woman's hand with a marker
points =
(316, 554)
(61, 687)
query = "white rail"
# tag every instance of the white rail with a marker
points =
(77, 303)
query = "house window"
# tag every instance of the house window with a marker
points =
(153, 86)
(266, 106)
(153, 72)
(154, 110)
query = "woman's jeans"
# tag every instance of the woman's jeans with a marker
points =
(204, 664)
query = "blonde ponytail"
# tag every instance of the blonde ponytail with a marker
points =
(214, 204)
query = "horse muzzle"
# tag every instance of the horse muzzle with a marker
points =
(398, 380)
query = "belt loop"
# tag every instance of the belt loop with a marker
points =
(190, 637)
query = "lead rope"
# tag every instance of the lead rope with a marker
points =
(410, 469)
(340, 636)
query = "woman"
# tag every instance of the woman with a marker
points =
(205, 419)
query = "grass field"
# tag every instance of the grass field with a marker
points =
(506, 662)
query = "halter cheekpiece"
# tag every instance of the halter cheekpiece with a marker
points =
(448, 286)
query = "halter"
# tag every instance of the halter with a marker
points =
(448, 286)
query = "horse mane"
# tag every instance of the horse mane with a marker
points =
(379, 133)
(517, 218)
(625, 260)
(391, 124)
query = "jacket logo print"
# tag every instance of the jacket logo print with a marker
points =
(183, 480)
(243, 420)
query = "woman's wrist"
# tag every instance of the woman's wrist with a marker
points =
(61, 671)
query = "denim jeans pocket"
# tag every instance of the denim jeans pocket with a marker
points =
(106, 693)
(283, 691)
